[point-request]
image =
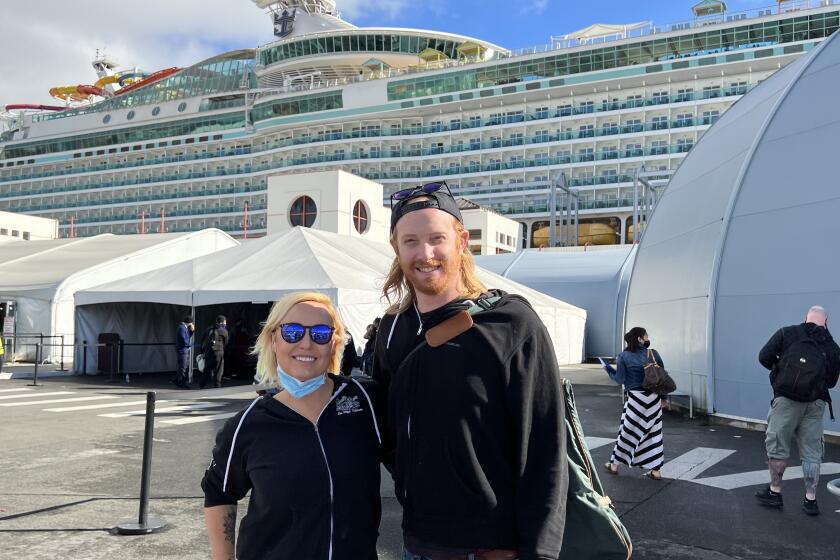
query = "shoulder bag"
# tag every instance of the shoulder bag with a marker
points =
(657, 379)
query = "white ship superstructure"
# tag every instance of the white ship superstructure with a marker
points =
(192, 148)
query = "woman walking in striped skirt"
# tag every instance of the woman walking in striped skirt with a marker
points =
(639, 441)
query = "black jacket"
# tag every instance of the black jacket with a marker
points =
(215, 340)
(314, 492)
(782, 339)
(476, 430)
(349, 358)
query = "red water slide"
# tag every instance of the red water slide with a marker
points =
(18, 106)
(154, 77)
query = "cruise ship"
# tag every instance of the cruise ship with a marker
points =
(182, 149)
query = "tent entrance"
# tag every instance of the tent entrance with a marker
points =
(147, 331)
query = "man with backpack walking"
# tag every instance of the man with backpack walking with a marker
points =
(475, 436)
(804, 363)
(213, 347)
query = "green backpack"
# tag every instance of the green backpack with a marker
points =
(593, 529)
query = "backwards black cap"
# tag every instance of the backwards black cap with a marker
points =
(438, 198)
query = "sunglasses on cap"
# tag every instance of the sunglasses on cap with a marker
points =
(428, 188)
(294, 333)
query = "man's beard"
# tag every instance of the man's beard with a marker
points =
(433, 286)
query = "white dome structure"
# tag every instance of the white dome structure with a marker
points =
(744, 239)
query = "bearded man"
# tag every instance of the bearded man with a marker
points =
(475, 415)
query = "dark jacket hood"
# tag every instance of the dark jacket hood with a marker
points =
(818, 333)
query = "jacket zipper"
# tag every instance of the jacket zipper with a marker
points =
(405, 486)
(329, 474)
(327, 463)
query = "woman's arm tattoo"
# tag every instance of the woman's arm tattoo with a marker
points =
(230, 526)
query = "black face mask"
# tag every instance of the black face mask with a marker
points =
(646, 344)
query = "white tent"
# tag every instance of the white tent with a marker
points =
(351, 271)
(595, 280)
(43, 276)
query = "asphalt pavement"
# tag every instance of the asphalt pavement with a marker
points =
(71, 452)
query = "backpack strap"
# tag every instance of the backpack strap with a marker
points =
(445, 331)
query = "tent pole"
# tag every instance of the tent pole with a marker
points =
(192, 345)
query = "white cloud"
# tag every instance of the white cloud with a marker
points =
(534, 7)
(54, 46)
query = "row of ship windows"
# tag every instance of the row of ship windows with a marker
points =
(813, 27)
(628, 126)
(256, 227)
(283, 107)
(302, 212)
(583, 154)
(562, 110)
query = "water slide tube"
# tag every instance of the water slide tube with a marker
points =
(128, 78)
(105, 80)
(76, 93)
(150, 79)
(25, 106)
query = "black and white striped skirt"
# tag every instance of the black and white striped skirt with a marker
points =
(639, 441)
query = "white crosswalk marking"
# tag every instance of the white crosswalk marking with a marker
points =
(196, 419)
(6, 397)
(53, 401)
(179, 408)
(95, 406)
(689, 466)
(593, 442)
(14, 390)
(754, 478)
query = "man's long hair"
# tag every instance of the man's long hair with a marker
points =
(400, 293)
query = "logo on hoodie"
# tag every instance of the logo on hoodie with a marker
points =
(348, 405)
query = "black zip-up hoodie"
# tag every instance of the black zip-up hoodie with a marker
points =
(314, 491)
(476, 434)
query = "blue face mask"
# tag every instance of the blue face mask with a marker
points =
(296, 388)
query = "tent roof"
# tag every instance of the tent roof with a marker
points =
(267, 268)
(320, 260)
(45, 265)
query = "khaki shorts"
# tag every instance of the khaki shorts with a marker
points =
(789, 419)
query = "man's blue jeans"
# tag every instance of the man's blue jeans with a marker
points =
(182, 377)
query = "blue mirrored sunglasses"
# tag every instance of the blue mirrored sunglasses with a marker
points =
(428, 188)
(294, 333)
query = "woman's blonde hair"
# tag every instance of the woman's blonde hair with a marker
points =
(264, 348)
(400, 293)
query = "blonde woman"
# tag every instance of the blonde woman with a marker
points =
(309, 455)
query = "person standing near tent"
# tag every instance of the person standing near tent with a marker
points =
(309, 455)
(213, 347)
(367, 353)
(2, 351)
(183, 341)
(476, 431)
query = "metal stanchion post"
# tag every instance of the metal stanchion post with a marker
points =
(120, 350)
(111, 355)
(84, 357)
(145, 524)
(62, 353)
(37, 359)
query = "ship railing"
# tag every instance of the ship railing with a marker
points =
(568, 42)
